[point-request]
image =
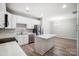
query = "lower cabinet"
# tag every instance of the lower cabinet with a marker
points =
(22, 39)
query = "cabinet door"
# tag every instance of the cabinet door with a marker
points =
(25, 40)
(32, 22)
(2, 22)
(20, 41)
(9, 20)
(13, 21)
(2, 12)
(30, 25)
(2, 7)
(36, 22)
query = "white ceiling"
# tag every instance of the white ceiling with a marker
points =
(45, 9)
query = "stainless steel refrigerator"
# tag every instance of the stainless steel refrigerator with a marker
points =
(37, 30)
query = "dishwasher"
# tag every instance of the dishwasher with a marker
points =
(31, 38)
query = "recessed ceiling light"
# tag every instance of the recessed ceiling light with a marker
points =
(27, 9)
(64, 6)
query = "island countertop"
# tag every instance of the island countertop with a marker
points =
(46, 36)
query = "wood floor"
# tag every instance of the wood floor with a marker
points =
(63, 47)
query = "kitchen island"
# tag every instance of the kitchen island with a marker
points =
(43, 43)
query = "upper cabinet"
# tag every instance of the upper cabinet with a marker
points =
(7, 20)
(21, 19)
(14, 21)
(11, 21)
(32, 22)
(2, 14)
(28, 21)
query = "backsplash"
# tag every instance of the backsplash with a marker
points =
(23, 31)
(12, 31)
(29, 30)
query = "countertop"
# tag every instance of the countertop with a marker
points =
(7, 36)
(11, 49)
(12, 35)
(46, 36)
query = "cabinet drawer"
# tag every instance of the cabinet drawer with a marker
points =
(22, 39)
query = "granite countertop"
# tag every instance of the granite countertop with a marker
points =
(13, 35)
(7, 36)
(46, 36)
(11, 49)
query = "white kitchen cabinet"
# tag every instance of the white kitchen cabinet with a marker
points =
(25, 39)
(2, 12)
(22, 39)
(32, 22)
(21, 19)
(2, 21)
(30, 25)
(28, 21)
(11, 21)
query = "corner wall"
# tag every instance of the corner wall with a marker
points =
(65, 28)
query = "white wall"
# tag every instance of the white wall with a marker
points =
(65, 28)
(45, 25)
